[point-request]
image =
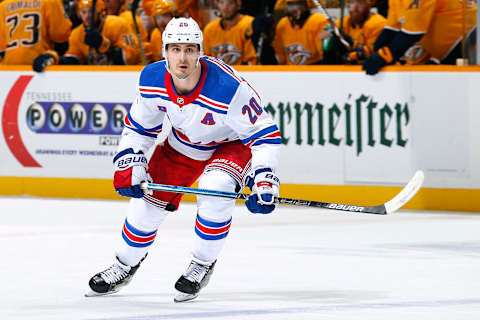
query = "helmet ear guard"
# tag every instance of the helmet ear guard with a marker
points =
(182, 30)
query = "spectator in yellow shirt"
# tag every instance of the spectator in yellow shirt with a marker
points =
(162, 12)
(28, 30)
(299, 35)
(109, 41)
(123, 10)
(363, 28)
(229, 38)
(437, 26)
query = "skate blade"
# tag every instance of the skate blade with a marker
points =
(183, 297)
(92, 293)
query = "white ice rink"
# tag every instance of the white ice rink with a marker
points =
(293, 264)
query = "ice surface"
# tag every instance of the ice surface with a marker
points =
(293, 264)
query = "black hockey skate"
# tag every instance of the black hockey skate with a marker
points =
(192, 281)
(111, 280)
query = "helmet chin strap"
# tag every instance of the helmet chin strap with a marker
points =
(167, 65)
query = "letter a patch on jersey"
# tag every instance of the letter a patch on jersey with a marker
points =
(208, 119)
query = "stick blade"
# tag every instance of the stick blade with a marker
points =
(407, 192)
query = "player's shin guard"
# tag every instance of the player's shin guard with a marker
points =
(214, 216)
(139, 231)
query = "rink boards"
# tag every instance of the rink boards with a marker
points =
(347, 137)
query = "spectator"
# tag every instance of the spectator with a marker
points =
(119, 8)
(162, 12)
(362, 27)
(299, 35)
(27, 30)
(437, 26)
(181, 8)
(263, 26)
(108, 41)
(229, 38)
(70, 7)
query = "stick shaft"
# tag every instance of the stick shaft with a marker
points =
(137, 31)
(332, 23)
(390, 206)
(286, 201)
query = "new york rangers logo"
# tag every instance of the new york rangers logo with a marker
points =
(208, 119)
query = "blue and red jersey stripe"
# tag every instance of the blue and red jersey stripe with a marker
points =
(269, 135)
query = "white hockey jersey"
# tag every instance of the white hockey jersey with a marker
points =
(222, 108)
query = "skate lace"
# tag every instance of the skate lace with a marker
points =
(114, 273)
(196, 272)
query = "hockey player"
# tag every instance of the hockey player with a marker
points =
(162, 13)
(109, 41)
(120, 9)
(220, 132)
(181, 8)
(437, 25)
(298, 37)
(229, 38)
(363, 27)
(28, 30)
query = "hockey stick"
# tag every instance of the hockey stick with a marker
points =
(261, 40)
(92, 26)
(137, 31)
(342, 11)
(332, 23)
(389, 207)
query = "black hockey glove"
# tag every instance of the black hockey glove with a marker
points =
(42, 61)
(93, 38)
(115, 56)
(378, 60)
(334, 51)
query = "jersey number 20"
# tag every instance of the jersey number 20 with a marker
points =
(257, 110)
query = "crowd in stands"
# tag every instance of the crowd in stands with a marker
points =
(269, 32)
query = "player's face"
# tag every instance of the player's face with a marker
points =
(85, 14)
(112, 6)
(228, 8)
(182, 59)
(161, 20)
(295, 9)
(359, 10)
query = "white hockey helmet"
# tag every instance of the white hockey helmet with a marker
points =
(182, 30)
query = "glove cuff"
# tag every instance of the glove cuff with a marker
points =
(262, 175)
(386, 54)
(55, 58)
(250, 179)
(105, 45)
(128, 158)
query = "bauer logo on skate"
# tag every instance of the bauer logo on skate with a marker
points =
(76, 117)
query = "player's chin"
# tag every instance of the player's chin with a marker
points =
(180, 74)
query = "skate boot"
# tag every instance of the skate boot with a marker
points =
(112, 279)
(193, 280)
